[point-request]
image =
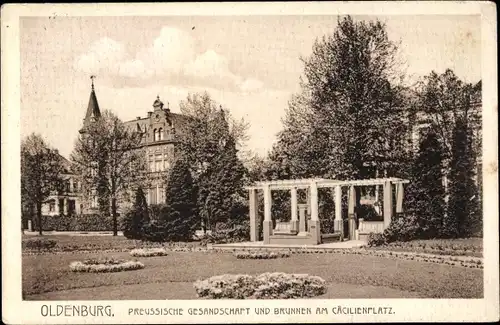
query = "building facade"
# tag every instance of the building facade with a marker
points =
(69, 200)
(159, 131)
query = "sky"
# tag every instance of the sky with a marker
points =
(249, 64)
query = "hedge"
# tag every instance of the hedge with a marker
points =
(86, 222)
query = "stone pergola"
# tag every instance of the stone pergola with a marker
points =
(300, 229)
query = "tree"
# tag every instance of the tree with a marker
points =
(107, 156)
(426, 191)
(180, 220)
(41, 174)
(463, 216)
(210, 142)
(136, 217)
(223, 192)
(445, 99)
(347, 121)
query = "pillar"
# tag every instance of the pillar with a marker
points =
(314, 225)
(254, 223)
(387, 204)
(267, 223)
(338, 224)
(302, 218)
(399, 198)
(30, 225)
(294, 222)
(351, 213)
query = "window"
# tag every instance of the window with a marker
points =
(151, 165)
(158, 162)
(160, 134)
(52, 205)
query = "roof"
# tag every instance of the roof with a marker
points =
(142, 125)
(93, 110)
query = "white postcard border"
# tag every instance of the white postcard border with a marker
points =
(14, 310)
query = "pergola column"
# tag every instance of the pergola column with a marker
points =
(253, 208)
(399, 198)
(351, 213)
(294, 207)
(314, 226)
(387, 204)
(338, 224)
(267, 223)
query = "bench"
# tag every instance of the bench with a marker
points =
(283, 228)
(333, 237)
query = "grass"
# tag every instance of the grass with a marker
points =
(172, 277)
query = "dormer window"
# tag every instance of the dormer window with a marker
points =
(155, 135)
(160, 134)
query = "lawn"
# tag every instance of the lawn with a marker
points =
(47, 276)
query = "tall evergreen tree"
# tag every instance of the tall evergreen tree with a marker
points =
(426, 190)
(462, 217)
(210, 144)
(136, 217)
(223, 193)
(180, 220)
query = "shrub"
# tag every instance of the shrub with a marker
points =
(264, 286)
(39, 244)
(376, 239)
(228, 233)
(327, 226)
(106, 265)
(154, 232)
(261, 255)
(402, 228)
(141, 252)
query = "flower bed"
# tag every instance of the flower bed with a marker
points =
(144, 252)
(260, 254)
(106, 265)
(265, 286)
(38, 244)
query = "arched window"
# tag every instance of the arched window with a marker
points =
(160, 134)
(155, 133)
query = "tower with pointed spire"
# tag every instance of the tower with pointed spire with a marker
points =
(93, 112)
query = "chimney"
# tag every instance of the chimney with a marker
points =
(150, 113)
(138, 117)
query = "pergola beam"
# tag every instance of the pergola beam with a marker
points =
(323, 183)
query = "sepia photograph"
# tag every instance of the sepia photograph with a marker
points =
(262, 156)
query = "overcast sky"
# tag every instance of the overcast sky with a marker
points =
(251, 64)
